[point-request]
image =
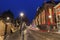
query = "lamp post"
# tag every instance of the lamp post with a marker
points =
(21, 15)
(49, 23)
(21, 28)
(6, 27)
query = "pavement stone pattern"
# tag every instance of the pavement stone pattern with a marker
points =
(44, 35)
(14, 36)
(34, 35)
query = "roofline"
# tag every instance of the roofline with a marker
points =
(57, 5)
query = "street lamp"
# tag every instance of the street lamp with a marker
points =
(21, 28)
(21, 14)
(50, 16)
(50, 21)
(8, 18)
(6, 27)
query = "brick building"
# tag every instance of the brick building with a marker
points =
(45, 16)
(57, 12)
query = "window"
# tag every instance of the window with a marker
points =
(58, 17)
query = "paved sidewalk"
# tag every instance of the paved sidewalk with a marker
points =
(57, 32)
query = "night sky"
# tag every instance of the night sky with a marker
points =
(29, 7)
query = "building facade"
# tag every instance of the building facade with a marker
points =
(45, 16)
(57, 12)
(6, 25)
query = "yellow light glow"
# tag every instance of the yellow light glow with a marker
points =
(50, 16)
(21, 14)
(8, 18)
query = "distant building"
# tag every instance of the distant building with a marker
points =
(45, 16)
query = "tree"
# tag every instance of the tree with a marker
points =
(8, 14)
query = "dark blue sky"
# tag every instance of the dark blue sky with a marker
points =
(29, 7)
